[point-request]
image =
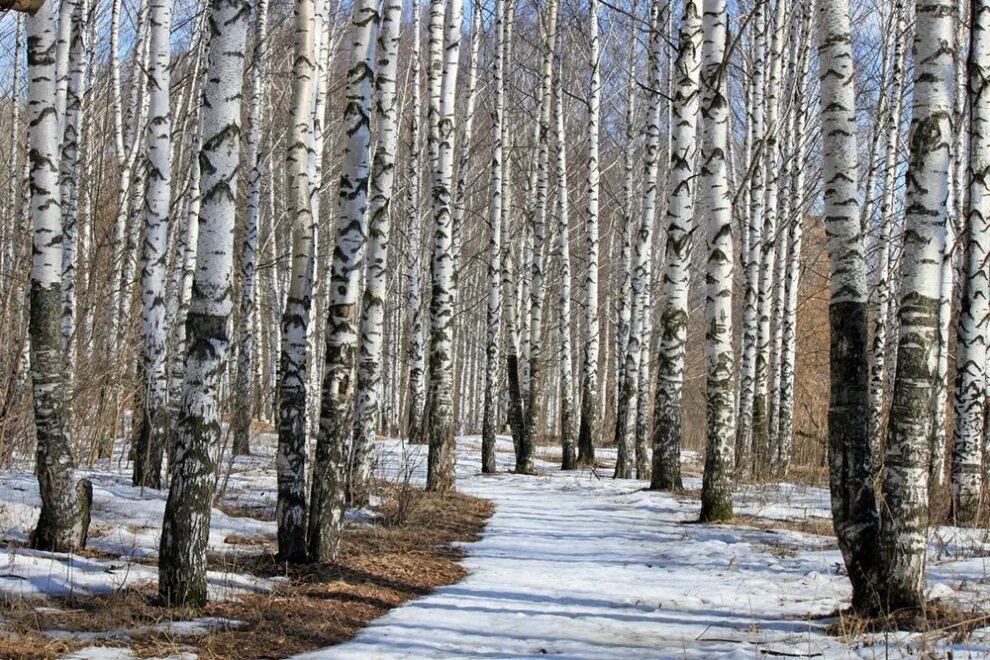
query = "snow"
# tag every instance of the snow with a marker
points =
(576, 565)
(579, 565)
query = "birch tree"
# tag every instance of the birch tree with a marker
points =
(197, 432)
(796, 204)
(854, 512)
(153, 422)
(494, 298)
(61, 525)
(569, 458)
(643, 256)
(540, 201)
(667, 430)
(292, 451)
(752, 246)
(878, 368)
(590, 410)
(440, 411)
(716, 202)
(326, 515)
(904, 516)
(369, 381)
(243, 397)
(415, 355)
(971, 347)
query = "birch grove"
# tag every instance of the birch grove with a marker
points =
(677, 243)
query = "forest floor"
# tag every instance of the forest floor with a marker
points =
(571, 564)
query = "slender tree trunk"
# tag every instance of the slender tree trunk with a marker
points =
(760, 443)
(292, 451)
(971, 347)
(152, 425)
(440, 406)
(878, 367)
(854, 511)
(754, 248)
(326, 516)
(630, 394)
(62, 524)
(415, 355)
(540, 200)
(197, 432)
(590, 411)
(244, 404)
(569, 458)
(667, 430)
(369, 380)
(495, 211)
(796, 204)
(716, 202)
(71, 120)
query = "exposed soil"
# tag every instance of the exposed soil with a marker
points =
(406, 554)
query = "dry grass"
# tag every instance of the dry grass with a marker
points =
(936, 618)
(818, 526)
(380, 567)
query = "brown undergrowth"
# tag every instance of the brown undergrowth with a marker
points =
(936, 620)
(407, 553)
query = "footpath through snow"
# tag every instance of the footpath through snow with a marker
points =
(578, 565)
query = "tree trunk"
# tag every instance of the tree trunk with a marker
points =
(369, 380)
(590, 427)
(716, 201)
(292, 450)
(904, 516)
(440, 406)
(854, 512)
(197, 432)
(153, 420)
(971, 348)
(495, 211)
(244, 404)
(667, 430)
(630, 394)
(61, 525)
(326, 516)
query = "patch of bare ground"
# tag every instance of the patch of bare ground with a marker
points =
(937, 620)
(408, 553)
(818, 526)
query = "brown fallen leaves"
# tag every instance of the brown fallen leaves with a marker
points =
(381, 567)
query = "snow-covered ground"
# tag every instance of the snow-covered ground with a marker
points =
(579, 565)
(572, 564)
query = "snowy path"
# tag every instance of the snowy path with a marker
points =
(581, 567)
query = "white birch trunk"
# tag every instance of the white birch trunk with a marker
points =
(415, 356)
(854, 512)
(489, 424)
(643, 257)
(716, 202)
(197, 432)
(61, 526)
(439, 417)
(589, 426)
(904, 516)
(971, 347)
(292, 451)
(569, 459)
(244, 404)
(326, 515)
(667, 431)
(540, 202)
(369, 380)
(153, 421)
